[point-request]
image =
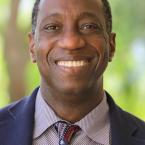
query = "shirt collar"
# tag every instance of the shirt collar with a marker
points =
(96, 124)
(93, 124)
(44, 116)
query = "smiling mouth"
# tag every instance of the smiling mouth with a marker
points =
(68, 64)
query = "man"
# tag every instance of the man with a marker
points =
(72, 43)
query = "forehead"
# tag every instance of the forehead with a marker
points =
(70, 7)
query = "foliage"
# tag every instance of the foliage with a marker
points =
(125, 77)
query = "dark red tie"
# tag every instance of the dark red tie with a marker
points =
(65, 131)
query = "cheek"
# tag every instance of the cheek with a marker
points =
(44, 47)
(102, 50)
(42, 54)
(101, 46)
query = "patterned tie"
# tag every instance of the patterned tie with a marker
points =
(65, 131)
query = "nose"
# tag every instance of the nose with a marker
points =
(71, 41)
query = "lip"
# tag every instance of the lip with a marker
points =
(74, 58)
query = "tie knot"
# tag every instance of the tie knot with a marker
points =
(65, 131)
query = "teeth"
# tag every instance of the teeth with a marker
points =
(72, 63)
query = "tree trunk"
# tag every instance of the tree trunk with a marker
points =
(15, 54)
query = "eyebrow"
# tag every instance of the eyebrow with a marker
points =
(51, 16)
(90, 15)
(54, 15)
(81, 15)
(87, 15)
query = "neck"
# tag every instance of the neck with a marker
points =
(75, 109)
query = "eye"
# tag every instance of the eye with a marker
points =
(51, 27)
(90, 27)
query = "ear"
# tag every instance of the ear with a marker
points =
(32, 48)
(112, 45)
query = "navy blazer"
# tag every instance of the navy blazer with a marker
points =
(17, 121)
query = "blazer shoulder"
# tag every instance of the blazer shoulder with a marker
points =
(127, 123)
(19, 107)
(15, 105)
(121, 114)
(132, 118)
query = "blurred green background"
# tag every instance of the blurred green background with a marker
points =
(124, 78)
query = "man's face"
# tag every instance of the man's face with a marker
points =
(71, 45)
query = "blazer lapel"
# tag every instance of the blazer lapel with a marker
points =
(17, 123)
(124, 130)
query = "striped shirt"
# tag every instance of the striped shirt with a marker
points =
(95, 126)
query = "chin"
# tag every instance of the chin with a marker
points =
(73, 90)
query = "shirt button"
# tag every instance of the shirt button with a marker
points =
(62, 142)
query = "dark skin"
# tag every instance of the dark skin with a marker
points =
(72, 49)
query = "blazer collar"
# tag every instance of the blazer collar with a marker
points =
(124, 130)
